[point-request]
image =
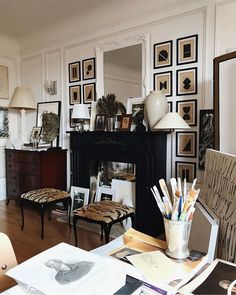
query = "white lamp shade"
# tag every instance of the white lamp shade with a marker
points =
(22, 98)
(80, 111)
(172, 121)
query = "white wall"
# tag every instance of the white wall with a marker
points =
(47, 54)
(9, 57)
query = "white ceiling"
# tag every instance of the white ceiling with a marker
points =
(18, 18)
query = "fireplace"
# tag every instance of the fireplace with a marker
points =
(146, 150)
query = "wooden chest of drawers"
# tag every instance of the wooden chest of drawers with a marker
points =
(28, 170)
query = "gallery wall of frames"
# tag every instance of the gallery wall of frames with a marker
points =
(174, 72)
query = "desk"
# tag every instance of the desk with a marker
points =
(49, 282)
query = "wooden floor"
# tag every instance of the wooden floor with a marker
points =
(28, 243)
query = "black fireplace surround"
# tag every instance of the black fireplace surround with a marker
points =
(146, 150)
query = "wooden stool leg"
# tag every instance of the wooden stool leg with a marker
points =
(107, 228)
(75, 219)
(132, 216)
(42, 211)
(22, 214)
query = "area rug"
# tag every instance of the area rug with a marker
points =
(116, 230)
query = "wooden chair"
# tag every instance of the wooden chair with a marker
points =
(7, 261)
(44, 199)
(219, 194)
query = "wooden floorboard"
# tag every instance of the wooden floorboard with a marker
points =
(28, 243)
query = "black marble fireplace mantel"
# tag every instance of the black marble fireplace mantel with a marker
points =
(146, 150)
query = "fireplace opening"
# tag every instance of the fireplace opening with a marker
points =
(120, 177)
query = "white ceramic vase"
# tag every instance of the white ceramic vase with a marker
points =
(156, 106)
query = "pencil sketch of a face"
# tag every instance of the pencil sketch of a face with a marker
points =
(69, 272)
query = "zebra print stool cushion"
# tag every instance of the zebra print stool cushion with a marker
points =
(106, 211)
(45, 195)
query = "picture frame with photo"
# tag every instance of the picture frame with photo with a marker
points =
(163, 82)
(186, 144)
(133, 106)
(162, 54)
(35, 132)
(4, 123)
(187, 109)
(187, 49)
(186, 81)
(79, 197)
(49, 107)
(89, 92)
(100, 122)
(74, 72)
(125, 122)
(105, 194)
(89, 68)
(185, 170)
(72, 121)
(75, 94)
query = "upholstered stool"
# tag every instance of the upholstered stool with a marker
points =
(105, 213)
(45, 198)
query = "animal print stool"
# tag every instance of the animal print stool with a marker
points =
(45, 198)
(105, 213)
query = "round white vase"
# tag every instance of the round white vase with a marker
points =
(156, 106)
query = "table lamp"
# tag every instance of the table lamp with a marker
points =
(170, 122)
(80, 113)
(22, 99)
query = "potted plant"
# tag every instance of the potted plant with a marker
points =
(109, 106)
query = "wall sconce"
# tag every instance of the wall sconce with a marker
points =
(51, 87)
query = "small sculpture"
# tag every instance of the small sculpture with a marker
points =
(138, 119)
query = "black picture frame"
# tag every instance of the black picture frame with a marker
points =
(72, 123)
(51, 106)
(187, 49)
(184, 78)
(186, 144)
(185, 170)
(89, 68)
(206, 135)
(74, 72)
(187, 109)
(89, 93)
(163, 81)
(100, 122)
(162, 54)
(75, 94)
(170, 106)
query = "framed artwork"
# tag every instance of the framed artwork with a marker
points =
(185, 170)
(163, 82)
(187, 50)
(186, 144)
(74, 72)
(4, 126)
(48, 107)
(170, 106)
(35, 132)
(4, 87)
(187, 109)
(79, 197)
(162, 54)
(186, 81)
(133, 106)
(105, 193)
(88, 66)
(75, 94)
(206, 136)
(89, 92)
(72, 121)
(125, 122)
(100, 122)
